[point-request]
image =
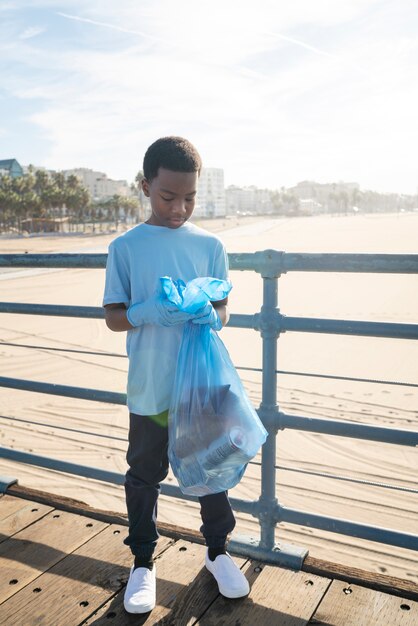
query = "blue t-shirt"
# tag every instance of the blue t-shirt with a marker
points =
(136, 261)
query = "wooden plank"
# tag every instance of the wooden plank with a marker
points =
(16, 514)
(184, 590)
(196, 599)
(364, 578)
(10, 505)
(76, 506)
(351, 605)
(35, 549)
(278, 596)
(76, 586)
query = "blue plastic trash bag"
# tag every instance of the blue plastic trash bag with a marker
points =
(213, 429)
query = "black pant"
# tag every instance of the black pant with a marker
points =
(148, 466)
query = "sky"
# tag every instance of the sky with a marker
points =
(273, 91)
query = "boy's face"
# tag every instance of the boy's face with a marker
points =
(172, 196)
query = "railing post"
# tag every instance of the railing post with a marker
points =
(270, 266)
(268, 410)
(269, 328)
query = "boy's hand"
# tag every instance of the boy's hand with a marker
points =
(157, 311)
(208, 315)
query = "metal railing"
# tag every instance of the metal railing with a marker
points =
(270, 264)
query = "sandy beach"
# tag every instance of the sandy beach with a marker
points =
(67, 429)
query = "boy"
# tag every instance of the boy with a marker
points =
(165, 245)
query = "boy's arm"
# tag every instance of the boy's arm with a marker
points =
(222, 310)
(152, 311)
(115, 316)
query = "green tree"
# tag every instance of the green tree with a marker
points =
(41, 187)
(27, 200)
(77, 199)
(141, 198)
(8, 202)
(57, 193)
(131, 207)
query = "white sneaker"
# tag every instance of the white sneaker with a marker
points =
(140, 590)
(231, 581)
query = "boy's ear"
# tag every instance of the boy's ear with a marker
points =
(145, 187)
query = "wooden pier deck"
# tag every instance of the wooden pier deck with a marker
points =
(63, 563)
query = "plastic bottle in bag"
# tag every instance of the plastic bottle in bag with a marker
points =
(231, 447)
(231, 443)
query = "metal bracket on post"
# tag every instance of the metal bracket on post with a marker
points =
(282, 554)
(269, 324)
(269, 263)
(269, 415)
(6, 482)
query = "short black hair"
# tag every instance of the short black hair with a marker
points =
(172, 153)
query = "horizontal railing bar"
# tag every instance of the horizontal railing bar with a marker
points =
(242, 320)
(295, 422)
(266, 262)
(58, 310)
(343, 262)
(243, 506)
(273, 261)
(299, 470)
(346, 527)
(115, 478)
(368, 432)
(62, 466)
(283, 514)
(96, 395)
(238, 320)
(64, 260)
(349, 327)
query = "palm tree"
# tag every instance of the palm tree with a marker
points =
(57, 194)
(6, 201)
(28, 201)
(40, 187)
(77, 198)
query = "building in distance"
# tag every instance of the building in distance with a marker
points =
(326, 197)
(11, 167)
(248, 200)
(98, 184)
(211, 193)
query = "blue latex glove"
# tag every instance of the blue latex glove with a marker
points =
(208, 315)
(156, 310)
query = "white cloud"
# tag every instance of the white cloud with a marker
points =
(106, 25)
(273, 94)
(32, 31)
